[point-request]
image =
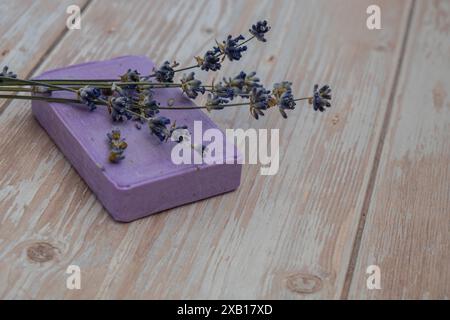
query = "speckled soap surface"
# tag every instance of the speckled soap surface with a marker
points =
(146, 181)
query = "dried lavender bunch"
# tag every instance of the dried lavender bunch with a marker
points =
(131, 97)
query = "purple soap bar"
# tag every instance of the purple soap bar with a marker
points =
(146, 181)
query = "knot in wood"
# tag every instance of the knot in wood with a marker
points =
(41, 252)
(304, 283)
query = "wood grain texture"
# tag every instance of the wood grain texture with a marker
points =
(32, 28)
(407, 231)
(286, 236)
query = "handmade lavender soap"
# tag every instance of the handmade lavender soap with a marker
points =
(147, 181)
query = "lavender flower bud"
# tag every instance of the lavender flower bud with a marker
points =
(88, 95)
(231, 48)
(215, 102)
(224, 91)
(191, 86)
(243, 83)
(321, 98)
(118, 107)
(6, 73)
(282, 97)
(117, 146)
(165, 73)
(210, 61)
(131, 76)
(259, 100)
(158, 127)
(259, 29)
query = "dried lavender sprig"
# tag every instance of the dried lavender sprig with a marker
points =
(231, 48)
(91, 83)
(38, 83)
(260, 98)
(49, 99)
(42, 89)
(99, 101)
(105, 103)
(221, 105)
(16, 89)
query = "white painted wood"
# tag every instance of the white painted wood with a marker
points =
(28, 29)
(287, 236)
(407, 231)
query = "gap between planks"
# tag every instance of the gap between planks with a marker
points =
(376, 162)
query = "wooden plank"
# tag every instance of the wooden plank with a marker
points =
(29, 30)
(285, 236)
(407, 228)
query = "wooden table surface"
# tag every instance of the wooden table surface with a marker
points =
(367, 183)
